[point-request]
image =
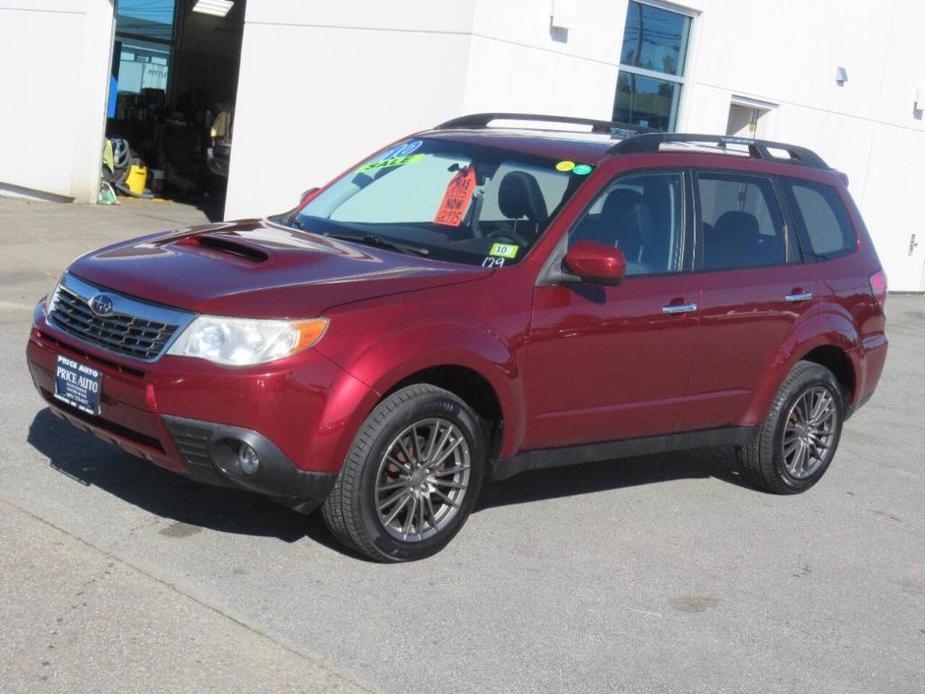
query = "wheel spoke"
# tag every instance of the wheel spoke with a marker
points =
(451, 485)
(409, 516)
(804, 408)
(449, 471)
(446, 436)
(393, 485)
(431, 516)
(444, 498)
(405, 467)
(821, 408)
(397, 509)
(408, 456)
(432, 439)
(392, 499)
(417, 445)
(804, 456)
(446, 454)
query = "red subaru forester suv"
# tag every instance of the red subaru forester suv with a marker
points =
(475, 301)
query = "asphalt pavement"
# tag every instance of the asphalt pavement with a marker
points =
(658, 574)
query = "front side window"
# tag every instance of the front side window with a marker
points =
(826, 225)
(741, 223)
(642, 216)
(446, 200)
(652, 63)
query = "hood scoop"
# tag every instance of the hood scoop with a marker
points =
(226, 245)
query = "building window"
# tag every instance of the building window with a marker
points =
(144, 36)
(652, 64)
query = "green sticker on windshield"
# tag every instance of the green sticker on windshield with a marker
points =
(388, 163)
(504, 250)
(582, 169)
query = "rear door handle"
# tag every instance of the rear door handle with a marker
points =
(802, 296)
(679, 308)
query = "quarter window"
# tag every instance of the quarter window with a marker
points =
(741, 223)
(652, 63)
(643, 217)
(824, 219)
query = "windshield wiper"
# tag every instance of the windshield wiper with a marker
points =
(380, 242)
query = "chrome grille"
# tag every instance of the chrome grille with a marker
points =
(131, 329)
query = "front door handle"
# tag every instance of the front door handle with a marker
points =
(802, 296)
(679, 308)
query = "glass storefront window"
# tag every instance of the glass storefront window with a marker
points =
(655, 39)
(143, 65)
(151, 19)
(144, 32)
(652, 62)
(647, 102)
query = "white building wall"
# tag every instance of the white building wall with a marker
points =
(787, 53)
(54, 75)
(322, 85)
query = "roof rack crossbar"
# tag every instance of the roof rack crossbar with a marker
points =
(650, 143)
(482, 120)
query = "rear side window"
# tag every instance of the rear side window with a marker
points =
(741, 223)
(825, 223)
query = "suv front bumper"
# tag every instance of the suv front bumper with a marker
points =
(191, 417)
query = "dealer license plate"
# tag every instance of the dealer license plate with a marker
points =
(78, 385)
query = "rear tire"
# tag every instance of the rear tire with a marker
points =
(797, 441)
(411, 478)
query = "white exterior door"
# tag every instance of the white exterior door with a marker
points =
(902, 254)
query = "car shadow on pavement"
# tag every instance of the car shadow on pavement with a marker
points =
(537, 485)
(86, 460)
(89, 461)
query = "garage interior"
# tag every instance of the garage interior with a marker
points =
(171, 101)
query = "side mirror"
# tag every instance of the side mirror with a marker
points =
(596, 263)
(307, 194)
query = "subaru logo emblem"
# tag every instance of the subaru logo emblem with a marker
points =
(101, 304)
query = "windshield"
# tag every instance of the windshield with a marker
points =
(446, 200)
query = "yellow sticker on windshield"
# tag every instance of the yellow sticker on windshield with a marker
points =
(565, 166)
(393, 161)
(504, 250)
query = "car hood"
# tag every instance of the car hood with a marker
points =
(257, 268)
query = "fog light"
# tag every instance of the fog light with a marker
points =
(248, 460)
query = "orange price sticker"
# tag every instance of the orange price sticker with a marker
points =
(456, 199)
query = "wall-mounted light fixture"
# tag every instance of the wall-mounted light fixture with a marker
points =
(841, 76)
(920, 99)
(217, 8)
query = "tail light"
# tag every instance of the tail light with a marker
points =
(878, 287)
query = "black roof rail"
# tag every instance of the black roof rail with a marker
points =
(651, 142)
(482, 120)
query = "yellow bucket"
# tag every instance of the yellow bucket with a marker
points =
(136, 179)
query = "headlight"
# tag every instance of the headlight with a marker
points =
(245, 341)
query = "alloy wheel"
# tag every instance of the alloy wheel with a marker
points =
(422, 479)
(809, 434)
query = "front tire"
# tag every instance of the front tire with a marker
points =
(798, 439)
(411, 478)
